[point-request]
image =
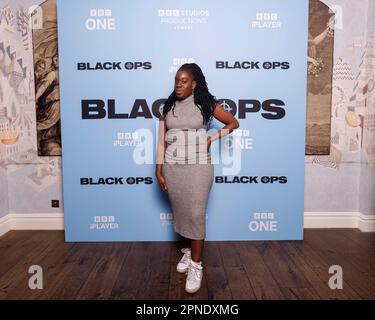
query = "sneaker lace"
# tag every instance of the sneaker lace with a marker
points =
(186, 258)
(194, 273)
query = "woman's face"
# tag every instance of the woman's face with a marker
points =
(183, 84)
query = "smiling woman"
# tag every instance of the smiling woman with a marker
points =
(184, 167)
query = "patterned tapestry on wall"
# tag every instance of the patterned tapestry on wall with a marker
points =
(17, 132)
(319, 84)
(353, 107)
(47, 99)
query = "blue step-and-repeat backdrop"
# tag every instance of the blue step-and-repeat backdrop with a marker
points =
(117, 63)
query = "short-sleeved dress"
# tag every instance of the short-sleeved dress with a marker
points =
(187, 168)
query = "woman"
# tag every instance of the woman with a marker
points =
(184, 167)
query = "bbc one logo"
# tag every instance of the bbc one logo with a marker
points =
(104, 223)
(263, 221)
(100, 19)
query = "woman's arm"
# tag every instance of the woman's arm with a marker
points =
(161, 147)
(162, 144)
(225, 117)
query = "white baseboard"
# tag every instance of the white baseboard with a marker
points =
(357, 220)
(4, 225)
(366, 222)
(31, 221)
(36, 221)
(55, 221)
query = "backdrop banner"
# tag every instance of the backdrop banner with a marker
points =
(117, 63)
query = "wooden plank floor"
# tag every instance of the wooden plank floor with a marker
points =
(243, 270)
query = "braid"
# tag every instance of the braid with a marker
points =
(203, 99)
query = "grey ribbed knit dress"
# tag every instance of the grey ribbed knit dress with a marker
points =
(187, 168)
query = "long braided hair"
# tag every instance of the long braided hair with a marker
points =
(203, 99)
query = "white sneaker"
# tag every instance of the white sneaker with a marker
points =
(183, 265)
(194, 277)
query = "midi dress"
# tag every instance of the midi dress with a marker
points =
(187, 168)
